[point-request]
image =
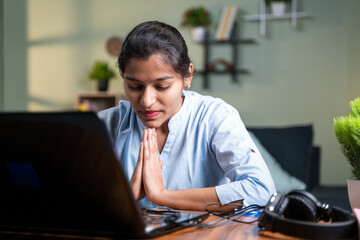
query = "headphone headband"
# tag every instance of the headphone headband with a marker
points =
(278, 216)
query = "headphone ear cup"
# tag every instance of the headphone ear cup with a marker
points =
(300, 207)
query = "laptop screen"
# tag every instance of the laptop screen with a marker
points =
(58, 170)
(59, 173)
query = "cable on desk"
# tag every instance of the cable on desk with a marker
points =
(237, 212)
(226, 216)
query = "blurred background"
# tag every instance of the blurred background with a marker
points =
(298, 76)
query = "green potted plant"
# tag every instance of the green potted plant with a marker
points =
(277, 6)
(102, 73)
(198, 18)
(347, 131)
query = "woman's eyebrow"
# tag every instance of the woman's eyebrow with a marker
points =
(157, 79)
(131, 79)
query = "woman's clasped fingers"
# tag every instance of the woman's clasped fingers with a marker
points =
(136, 181)
(152, 176)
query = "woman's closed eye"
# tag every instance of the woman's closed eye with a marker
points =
(140, 87)
(162, 87)
(135, 87)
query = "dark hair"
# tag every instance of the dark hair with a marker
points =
(154, 37)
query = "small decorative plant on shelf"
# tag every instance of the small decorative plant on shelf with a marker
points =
(278, 7)
(347, 131)
(102, 73)
(198, 18)
(270, 1)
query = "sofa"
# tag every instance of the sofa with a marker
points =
(294, 162)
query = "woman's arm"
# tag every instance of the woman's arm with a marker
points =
(192, 199)
(241, 162)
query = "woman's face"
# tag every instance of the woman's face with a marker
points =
(154, 89)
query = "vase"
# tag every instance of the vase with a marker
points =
(102, 85)
(278, 8)
(353, 187)
(198, 34)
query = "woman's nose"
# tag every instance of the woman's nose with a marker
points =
(148, 98)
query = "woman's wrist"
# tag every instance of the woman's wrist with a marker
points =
(161, 197)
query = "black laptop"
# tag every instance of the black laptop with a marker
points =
(60, 175)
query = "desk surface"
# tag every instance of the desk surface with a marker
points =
(230, 230)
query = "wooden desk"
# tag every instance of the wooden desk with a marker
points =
(230, 230)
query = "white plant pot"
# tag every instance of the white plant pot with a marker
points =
(278, 8)
(354, 193)
(198, 34)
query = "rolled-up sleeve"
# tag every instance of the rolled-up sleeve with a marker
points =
(242, 163)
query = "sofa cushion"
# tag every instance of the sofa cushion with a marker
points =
(290, 146)
(284, 182)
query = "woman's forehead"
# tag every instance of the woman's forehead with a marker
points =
(149, 68)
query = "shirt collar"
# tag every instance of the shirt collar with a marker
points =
(181, 115)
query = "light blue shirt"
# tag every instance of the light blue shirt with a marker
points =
(207, 146)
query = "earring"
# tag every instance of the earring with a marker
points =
(187, 85)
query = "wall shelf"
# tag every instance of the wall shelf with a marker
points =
(96, 101)
(293, 15)
(232, 69)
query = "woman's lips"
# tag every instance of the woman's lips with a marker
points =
(150, 114)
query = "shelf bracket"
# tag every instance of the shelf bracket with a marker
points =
(263, 17)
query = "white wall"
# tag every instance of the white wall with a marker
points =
(298, 76)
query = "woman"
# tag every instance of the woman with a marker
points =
(179, 149)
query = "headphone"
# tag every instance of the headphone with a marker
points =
(298, 213)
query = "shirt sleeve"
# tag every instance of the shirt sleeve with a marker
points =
(242, 163)
(111, 119)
